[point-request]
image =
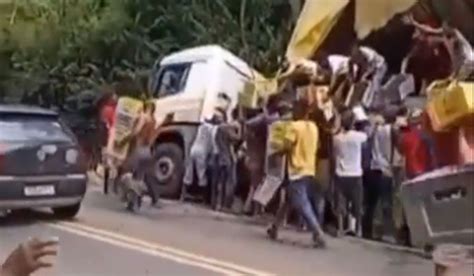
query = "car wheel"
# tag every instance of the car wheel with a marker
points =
(67, 212)
(168, 169)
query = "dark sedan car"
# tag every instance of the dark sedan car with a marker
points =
(41, 164)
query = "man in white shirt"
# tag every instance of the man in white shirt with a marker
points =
(348, 154)
(201, 151)
(368, 65)
(339, 64)
(338, 67)
(462, 54)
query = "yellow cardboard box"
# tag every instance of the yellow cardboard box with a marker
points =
(255, 89)
(277, 132)
(126, 114)
(249, 96)
(451, 104)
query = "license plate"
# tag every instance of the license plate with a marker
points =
(40, 190)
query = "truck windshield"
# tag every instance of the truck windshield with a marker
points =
(169, 79)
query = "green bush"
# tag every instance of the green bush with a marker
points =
(76, 44)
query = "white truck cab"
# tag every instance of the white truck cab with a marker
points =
(190, 84)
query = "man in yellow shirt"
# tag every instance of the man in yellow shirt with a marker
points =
(300, 143)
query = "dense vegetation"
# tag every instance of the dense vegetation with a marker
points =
(70, 45)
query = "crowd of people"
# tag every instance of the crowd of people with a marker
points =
(345, 156)
(345, 149)
(213, 158)
(362, 169)
(340, 155)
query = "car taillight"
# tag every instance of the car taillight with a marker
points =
(3, 151)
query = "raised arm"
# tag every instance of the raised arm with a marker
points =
(257, 120)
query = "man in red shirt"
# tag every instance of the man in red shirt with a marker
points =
(417, 147)
(107, 110)
(106, 107)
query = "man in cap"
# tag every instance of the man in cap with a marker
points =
(201, 152)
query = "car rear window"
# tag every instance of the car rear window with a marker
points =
(25, 128)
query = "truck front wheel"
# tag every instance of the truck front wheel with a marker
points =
(169, 169)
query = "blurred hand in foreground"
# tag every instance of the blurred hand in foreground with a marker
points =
(28, 257)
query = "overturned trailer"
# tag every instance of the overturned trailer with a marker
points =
(439, 206)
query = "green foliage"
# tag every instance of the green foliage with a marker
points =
(83, 43)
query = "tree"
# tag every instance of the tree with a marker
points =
(79, 43)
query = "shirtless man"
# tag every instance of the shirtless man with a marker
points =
(143, 136)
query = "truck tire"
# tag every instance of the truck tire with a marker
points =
(169, 169)
(68, 212)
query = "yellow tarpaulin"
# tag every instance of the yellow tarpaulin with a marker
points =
(316, 20)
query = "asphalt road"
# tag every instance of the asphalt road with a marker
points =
(182, 239)
(85, 256)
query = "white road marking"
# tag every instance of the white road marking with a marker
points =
(155, 249)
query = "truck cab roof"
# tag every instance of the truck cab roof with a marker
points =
(203, 53)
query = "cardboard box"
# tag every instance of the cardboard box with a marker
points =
(451, 105)
(126, 114)
(249, 96)
(277, 132)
